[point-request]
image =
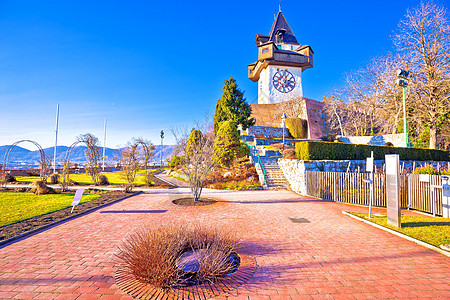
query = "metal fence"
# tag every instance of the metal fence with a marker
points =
(419, 192)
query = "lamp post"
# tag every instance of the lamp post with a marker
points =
(162, 137)
(401, 81)
(283, 119)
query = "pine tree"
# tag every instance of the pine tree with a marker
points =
(232, 106)
(227, 145)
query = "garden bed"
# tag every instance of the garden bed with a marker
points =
(15, 229)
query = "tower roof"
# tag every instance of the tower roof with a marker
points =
(281, 33)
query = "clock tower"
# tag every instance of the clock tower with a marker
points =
(281, 61)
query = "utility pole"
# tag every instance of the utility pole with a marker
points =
(104, 146)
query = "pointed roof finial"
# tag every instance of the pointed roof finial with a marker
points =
(279, 6)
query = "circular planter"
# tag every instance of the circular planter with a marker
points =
(204, 290)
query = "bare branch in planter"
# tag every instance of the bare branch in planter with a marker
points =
(198, 158)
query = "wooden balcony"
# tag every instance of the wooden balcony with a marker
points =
(269, 55)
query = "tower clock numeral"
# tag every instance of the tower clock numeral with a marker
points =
(284, 81)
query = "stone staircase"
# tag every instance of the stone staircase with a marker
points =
(269, 158)
(274, 175)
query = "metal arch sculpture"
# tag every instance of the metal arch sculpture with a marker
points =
(43, 161)
(66, 166)
(144, 145)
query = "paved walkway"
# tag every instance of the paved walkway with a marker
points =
(331, 257)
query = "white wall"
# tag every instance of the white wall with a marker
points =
(268, 94)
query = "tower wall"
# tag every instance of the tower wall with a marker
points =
(268, 94)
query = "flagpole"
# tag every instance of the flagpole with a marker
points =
(104, 146)
(56, 138)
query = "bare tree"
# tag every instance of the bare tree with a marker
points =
(129, 160)
(64, 182)
(198, 158)
(92, 155)
(335, 109)
(367, 91)
(423, 38)
(135, 155)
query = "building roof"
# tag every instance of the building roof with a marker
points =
(280, 26)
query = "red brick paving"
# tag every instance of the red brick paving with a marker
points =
(332, 257)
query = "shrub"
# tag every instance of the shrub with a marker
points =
(317, 150)
(328, 138)
(151, 254)
(41, 189)
(194, 141)
(7, 177)
(227, 145)
(54, 178)
(298, 128)
(128, 187)
(244, 150)
(289, 153)
(428, 169)
(176, 161)
(103, 180)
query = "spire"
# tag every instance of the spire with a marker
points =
(281, 33)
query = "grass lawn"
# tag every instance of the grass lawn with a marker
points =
(85, 179)
(16, 207)
(434, 231)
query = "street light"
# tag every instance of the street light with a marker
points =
(283, 119)
(162, 137)
(401, 81)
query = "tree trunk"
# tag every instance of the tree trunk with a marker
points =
(396, 123)
(433, 136)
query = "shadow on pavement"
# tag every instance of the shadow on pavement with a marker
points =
(133, 211)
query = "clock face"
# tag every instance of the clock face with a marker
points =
(284, 81)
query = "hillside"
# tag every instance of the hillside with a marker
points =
(23, 157)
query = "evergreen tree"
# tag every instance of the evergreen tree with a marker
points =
(232, 106)
(227, 145)
(193, 142)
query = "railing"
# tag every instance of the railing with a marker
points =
(417, 192)
(287, 57)
(253, 150)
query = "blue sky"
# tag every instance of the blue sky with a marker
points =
(149, 66)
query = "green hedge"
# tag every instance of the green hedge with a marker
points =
(318, 150)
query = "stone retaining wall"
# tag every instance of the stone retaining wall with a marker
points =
(268, 132)
(398, 140)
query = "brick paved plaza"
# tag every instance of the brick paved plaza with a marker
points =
(331, 257)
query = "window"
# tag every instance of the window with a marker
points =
(265, 50)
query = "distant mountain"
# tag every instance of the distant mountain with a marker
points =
(23, 157)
